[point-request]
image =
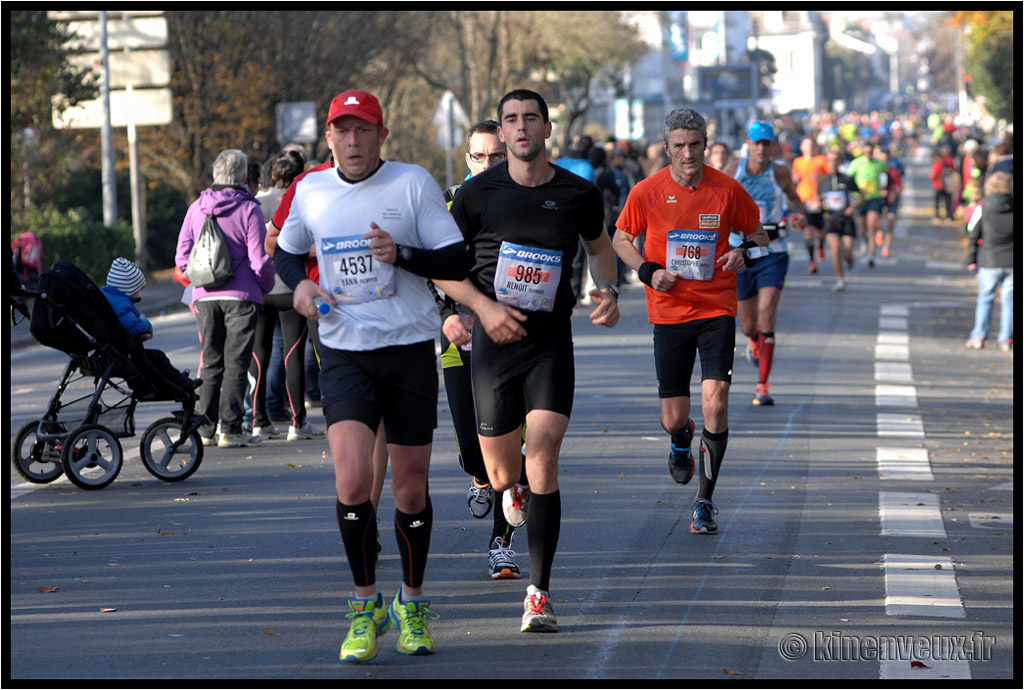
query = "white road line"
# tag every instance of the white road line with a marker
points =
(894, 372)
(995, 521)
(893, 338)
(900, 425)
(895, 310)
(930, 670)
(921, 586)
(910, 515)
(892, 323)
(904, 463)
(896, 396)
(892, 353)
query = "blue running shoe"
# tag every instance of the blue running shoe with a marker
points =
(680, 460)
(761, 397)
(703, 517)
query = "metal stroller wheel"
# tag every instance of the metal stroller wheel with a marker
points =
(92, 456)
(162, 458)
(37, 460)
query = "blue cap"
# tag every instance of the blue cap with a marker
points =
(761, 130)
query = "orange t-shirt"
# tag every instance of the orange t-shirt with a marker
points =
(807, 171)
(700, 221)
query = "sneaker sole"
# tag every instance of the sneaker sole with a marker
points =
(352, 659)
(702, 530)
(764, 402)
(506, 574)
(540, 628)
(520, 519)
(419, 651)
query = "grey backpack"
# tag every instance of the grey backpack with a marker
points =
(209, 264)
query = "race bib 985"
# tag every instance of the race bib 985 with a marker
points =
(527, 277)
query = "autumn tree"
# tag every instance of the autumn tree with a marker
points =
(232, 68)
(41, 76)
(481, 55)
(989, 57)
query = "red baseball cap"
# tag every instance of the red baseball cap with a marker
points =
(358, 104)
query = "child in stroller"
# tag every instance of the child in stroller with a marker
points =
(125, 282)
(79, 437)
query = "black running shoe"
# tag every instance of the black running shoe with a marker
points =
(680, 460)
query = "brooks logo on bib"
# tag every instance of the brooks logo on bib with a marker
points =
(527, 277)
(351, 273)
(690, 254)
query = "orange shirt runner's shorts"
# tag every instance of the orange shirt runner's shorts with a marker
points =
(687, 232)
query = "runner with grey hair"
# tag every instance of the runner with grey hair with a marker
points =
(231, 168)
(685, 212)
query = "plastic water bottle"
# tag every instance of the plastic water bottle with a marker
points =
(323, 307)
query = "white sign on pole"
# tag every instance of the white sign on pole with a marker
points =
(138, 107)
(135, 33)
(296, 122)
(130, 68)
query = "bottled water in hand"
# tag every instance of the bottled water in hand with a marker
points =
(323, 307)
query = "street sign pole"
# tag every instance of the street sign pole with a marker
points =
(107, 132)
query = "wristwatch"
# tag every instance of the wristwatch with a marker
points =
(404, 252)
(612, 289)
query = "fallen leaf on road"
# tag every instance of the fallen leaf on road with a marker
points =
(47, 590)
(730, 672)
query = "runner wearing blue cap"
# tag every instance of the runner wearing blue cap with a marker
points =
(760, 288)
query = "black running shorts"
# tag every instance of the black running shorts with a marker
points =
(537, 373)
(397, 384)
(676, 347)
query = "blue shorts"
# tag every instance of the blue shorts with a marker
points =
(768, 271)
(870, 205)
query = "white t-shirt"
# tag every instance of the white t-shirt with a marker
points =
(378, 305)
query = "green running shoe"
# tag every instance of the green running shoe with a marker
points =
(411, 619)
(369, 619)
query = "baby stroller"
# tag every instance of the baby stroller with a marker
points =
(78, 434)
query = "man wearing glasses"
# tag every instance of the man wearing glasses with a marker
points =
(483, 149)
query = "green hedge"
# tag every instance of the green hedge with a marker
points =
(73, 236)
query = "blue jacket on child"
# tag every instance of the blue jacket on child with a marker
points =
(124, 306)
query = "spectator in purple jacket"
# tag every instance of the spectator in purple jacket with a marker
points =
(226, 315)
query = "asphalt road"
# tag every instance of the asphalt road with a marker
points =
(865, 526)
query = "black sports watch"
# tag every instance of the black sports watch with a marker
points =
(404, 252)
(612, 289)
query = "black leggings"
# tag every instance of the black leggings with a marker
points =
(294, 330)
(458, 388)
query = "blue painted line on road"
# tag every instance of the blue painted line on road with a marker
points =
(669, 656)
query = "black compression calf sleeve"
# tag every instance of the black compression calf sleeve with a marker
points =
(358, 526)
(543, 523)
(712, 450)
(413, 535)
